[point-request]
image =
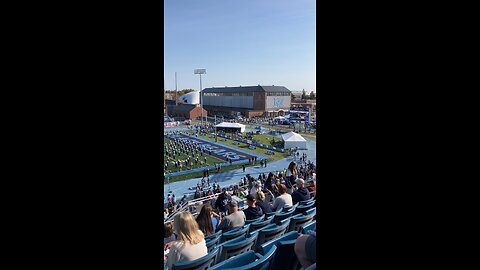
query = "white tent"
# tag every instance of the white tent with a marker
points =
(226, 125)
(293, 140)
(280, 118)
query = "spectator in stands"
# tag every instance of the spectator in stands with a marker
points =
(256, 188)
(312, 188)
(283, 199)
(253, 211)
(222, 201)
(190, 244)
(236, 218)
(291, 175)
(262, 203)
(302, 193)
(206, 220)
(306, 248)
(169, 235)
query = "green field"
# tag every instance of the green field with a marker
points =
(211, 160)
(264, 139)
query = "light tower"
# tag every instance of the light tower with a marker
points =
(200, 72)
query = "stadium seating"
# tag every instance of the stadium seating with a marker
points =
(207, 238)
(263, 263)
(267, 234)
(212, 242)
(202, 263)
(247, 261)
(235, 248)
(306, 201)
(283, 215)
(284, 257)
(267, 215)
(311, 210)
(287, 208)
(235, 233)
(260, 224)
(308, 227)
(242, 259)
(297, 221)
(304, 207)
(255, 220)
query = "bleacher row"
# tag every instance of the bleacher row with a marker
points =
(264, 243)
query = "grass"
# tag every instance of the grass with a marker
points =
(244, 146)
(211, 160)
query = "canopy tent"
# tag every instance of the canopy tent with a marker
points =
(280, 118)
(293, 140)
(231, 127)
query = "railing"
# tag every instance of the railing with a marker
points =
(203, 199)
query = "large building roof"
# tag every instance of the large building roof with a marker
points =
(270, 89)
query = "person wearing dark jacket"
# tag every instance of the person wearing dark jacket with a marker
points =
(253, 211)
(262, 203)
(302, 193)
(222, 201)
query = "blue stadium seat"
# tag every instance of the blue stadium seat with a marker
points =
(255, 220)
(268, 226)
(263, 263)
(287, 208)
(265, 247)
(268, 234)
(267, 215)
(260, 224)
(242, 259)
(238, 247)
(285, 257)
(212, 242)
(213, 235)
(235, 233)
(202, 263)
(308, 227)
(282, 216)
(297, 221)
(307, 201)
(303, 208)
(311, 210)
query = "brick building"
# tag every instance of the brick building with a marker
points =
(185, 111)
(249, 101)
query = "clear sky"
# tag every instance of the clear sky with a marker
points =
(240, 42)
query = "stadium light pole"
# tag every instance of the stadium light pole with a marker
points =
(200, 72)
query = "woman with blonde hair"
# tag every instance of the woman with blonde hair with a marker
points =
(190, 244)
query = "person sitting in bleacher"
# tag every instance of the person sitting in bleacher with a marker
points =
(190, 244)
(236, 219)
(262, 203)
(306, 248)
(302, 193)
(312, 188)
(206, 220)
(169, 235)
(222, 200)
(283, 199)
(253, 211)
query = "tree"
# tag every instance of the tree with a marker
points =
(303, 95)
(312, 95)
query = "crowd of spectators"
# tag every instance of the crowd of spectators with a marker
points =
(185, 239)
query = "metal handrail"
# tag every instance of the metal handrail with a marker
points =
(195, 201)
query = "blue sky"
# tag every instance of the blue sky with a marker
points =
(240, 42)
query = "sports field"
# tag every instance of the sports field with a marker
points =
(211, 160)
